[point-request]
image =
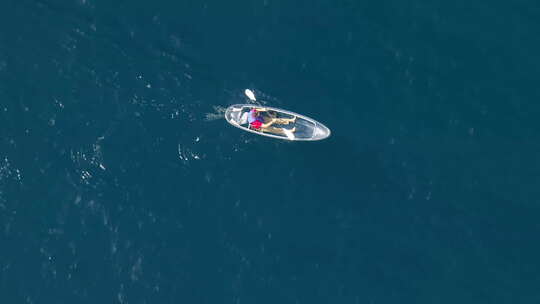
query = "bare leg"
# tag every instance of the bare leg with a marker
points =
(283, 121)
(273, 130)
(276, 130)
(280, 121)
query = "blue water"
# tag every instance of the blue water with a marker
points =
(121, 183)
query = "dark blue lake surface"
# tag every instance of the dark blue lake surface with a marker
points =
(121, 183)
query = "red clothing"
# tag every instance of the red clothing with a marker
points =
(256, 124)
(255, 121)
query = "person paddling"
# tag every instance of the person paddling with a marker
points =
(259, 119)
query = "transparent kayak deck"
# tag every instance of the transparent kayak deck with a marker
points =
(304, 127)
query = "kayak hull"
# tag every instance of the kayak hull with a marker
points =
(306, 129)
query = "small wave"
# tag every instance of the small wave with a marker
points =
(186, 154)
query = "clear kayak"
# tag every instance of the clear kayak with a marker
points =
(288, 125)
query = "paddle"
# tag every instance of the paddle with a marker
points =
(249, 93)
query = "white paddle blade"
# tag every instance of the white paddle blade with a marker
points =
(250, 94)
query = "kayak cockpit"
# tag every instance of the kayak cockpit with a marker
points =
(290, 125)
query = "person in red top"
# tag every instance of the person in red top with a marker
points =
(263, 122)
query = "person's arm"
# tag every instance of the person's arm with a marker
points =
(268, 124)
